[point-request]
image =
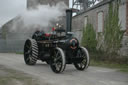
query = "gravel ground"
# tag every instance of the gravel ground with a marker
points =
(13, 77)
(71, 76)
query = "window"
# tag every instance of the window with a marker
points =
(122, 16)
(85, 21)
(100, 22)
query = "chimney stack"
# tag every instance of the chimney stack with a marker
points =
(68, 20)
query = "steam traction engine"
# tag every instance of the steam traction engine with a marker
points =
(56, 49)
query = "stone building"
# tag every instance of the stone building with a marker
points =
(96, 16)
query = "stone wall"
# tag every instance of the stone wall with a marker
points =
(11, 41)
(14, 46)
(14, 42)
(78, 22)
(127, 17)
(124, 49)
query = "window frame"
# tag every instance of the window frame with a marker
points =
(102, 22)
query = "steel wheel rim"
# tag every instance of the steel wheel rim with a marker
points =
(57, 61)
(82, 65)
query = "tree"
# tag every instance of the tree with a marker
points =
(93, 2)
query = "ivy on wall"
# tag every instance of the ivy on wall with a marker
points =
(89, 37)
(112, 33)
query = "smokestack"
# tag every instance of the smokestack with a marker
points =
(68, 20)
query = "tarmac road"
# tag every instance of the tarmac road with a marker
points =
(71, 76)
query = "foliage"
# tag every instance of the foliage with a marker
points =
(121, 67)
(89, 38)
(112, 34)
(92, 2)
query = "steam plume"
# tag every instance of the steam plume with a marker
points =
(41, 17)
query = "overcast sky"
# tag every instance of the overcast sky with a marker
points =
(10, 8)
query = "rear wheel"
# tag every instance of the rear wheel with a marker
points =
(30, 52)
(82, 52)
(58, 62)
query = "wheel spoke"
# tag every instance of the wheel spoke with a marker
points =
(27, 52)
(58, 58)
(82, 65)
(58, 66)
(84, 61)
(28, 59)
(57, 54)
(81, 53)
(27, 46)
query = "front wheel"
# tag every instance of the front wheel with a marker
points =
(83, 53)
(58, 62)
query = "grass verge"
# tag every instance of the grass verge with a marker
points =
(19, 53)
(121, 67)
